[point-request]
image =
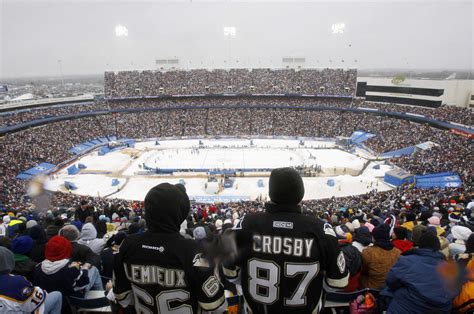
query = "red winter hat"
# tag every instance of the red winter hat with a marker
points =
(58, 248)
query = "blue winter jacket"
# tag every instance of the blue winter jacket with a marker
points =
(416, 285)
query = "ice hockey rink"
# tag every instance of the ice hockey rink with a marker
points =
(134, 169)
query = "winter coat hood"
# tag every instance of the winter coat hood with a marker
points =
(88, 232)
(166, 207)
(49, 267)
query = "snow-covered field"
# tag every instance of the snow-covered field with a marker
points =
(352, 174)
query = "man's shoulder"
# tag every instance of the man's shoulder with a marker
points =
(145, 241)
(256, 218)
(13, 283)
(76, 246)
(370, 250)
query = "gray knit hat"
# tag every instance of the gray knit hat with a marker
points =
(7, 260)
(31, 224)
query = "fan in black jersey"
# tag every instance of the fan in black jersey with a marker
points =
(284, 256)
(160, 271)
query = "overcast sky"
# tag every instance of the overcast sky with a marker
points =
(377, 34)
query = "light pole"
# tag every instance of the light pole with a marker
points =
(61, 71)
(229, 33)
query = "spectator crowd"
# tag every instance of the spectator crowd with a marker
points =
(415, 246)
(51, 142)
(335, 82)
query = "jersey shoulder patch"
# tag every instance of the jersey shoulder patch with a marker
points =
(328, 230)
(200, 261)
(16, 287)
(341, 262)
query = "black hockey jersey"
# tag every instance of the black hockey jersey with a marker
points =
(283, 258)
(165, 273)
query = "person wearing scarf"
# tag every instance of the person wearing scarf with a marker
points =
(21, 247)
(362, 238)
(400, 241)
(378, 259)
(39, 237)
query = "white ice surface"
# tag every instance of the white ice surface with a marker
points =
(87, 184)
(239, 158)
(264, 154)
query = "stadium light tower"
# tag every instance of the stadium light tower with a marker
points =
(61, 71)
(338, 28)
(230, 32)
(121, 31)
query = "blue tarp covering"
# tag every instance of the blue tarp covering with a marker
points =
(228, 183)
(220, 171)
(69, 185)
(400, 152)
(24, 176)
(438, 180)
(331, 182)
(103, 150)
(95, 142)
(42, 168)
(128, 142)
(359, 137)
(72, 170)
(115, 182)
(398, 177)
(260, 183)
(81, 148)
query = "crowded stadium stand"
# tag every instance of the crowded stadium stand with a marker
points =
(326, 82)
(429, 206)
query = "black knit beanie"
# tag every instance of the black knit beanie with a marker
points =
(400, 232)
(286, 186)
(381, 232)
(410, 216)
(425, 215)
(429, 240)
